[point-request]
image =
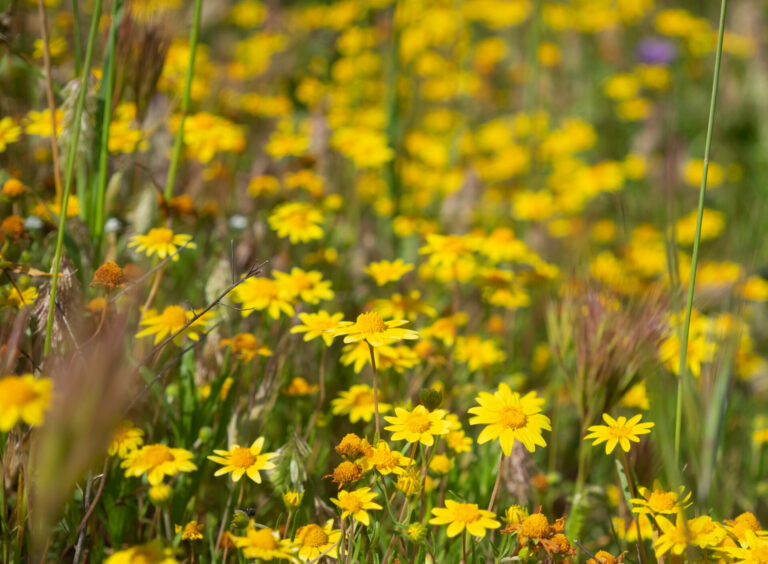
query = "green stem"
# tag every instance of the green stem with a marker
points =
(70, 171)
(109, 87)
(185, 101)
(697, 238)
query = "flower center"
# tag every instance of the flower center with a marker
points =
(466, 512)
(242, 457)
(352, 504)
(536, 526)
(370, 322)
(512, 418)
(298, 220)
(363, 398)
(155, 455)
(661, 501)
(417, 422)
(346, 472)
(620, 432)
(160, 235)
(16, 391)
(313, 535)
(262, 538)
(174, 316)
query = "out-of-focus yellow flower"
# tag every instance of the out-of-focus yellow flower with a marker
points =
(23, 398)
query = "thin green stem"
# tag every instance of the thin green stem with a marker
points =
(193, 38)
(697, 238)
(375, 393)
(109, 87)
(71, 161)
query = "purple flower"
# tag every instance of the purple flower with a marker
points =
(654, 51)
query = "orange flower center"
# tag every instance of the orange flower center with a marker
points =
(155, 455)
(263, 539)
(313, 535)
(417, 422)
(159, 236)
(466, 512)
(363, 399)
(661, 501)
(535, 527)
(174, 316)
(346, 472)
(298, 220)
(370, 322)
(242, 457)
(512, 418)
(17, 391)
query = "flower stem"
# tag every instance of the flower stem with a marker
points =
(496, 485)
(375, 394)
(70, 172)
(193, 38)
(633, 493)
(697, 238)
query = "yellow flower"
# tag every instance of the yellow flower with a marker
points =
(618, 431)
(190, 531)
(754, 549)
(244, 460)
(13, 186)
(39, 123)
(658, 501)
(460, 516)
(11, 298)
(9, 132)
(712, 225)
(314, 540)
(246, 346)
(160, 494)
(170, 321)
(509, 417)
(256, 294)
(355, 503)
(385, 271)
(744, 522)
(694, 170)
(23, 398)
(125, 438)
(404, 306)
(357, 402)
(458, 441)
(385, 460)
(151, 553)
(292, 498)
(477, 352)
(440, 464)
(300, 387)
(264, 544)
(371, 328)
(317, 325)
(298, 221)
(161, 241)
(418, 425)
(157, 460)
(309, 286)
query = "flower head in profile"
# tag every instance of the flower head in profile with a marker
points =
(125, 438)
(659, 501)
(313, 540)
(192, 531)
(356, 503)
(418, 425)
(509, 418)
(151, 553)
(157, 461)
(244, 460)
(173, 319)
(618, 431)
(161, 241)
(24, 398)
(319, 324)
(753, 549)
(372, 329)
(358, 403)
(264, 544)
(245, 346)
(461, 516)
(298, 221)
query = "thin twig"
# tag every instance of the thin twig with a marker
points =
(49, 95)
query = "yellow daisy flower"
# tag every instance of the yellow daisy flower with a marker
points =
(318, 324)
(308, 286)
(461, 516)
(385, 271)
(264, 544)
(157, 461)
(160, 241)
(244, 460)
(170, 321)
(246, 346)
(24, 398)
(371, 328)
(257, 294)
(618, 431)
(753, 550)
(417, 425)
(509, 417)
(658, 501)
(9, 132)
(151, 553)
(191, 531)
(355, 503)
(357, 402)
(125, 438)
(314, 540)
(298, 221)
(385, 460)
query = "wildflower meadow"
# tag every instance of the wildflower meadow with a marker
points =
(383, 281)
